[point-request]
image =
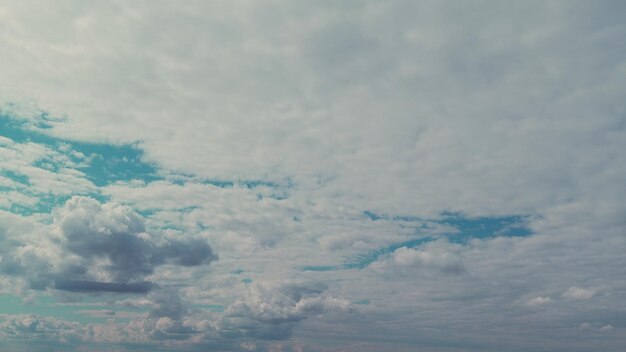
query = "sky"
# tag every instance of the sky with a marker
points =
(319, 176)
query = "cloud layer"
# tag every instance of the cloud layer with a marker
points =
(404, 176)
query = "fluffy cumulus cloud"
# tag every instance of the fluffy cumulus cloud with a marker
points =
(95, 247)
(269, 310)
(373, 175)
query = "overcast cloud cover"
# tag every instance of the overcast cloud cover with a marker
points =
(312, 176)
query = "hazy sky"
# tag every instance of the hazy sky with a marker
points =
(293, 176)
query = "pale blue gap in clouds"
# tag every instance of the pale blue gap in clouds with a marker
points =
(465, 230)
(107, 163)
(81, 312)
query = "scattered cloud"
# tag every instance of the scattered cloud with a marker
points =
(374, 176)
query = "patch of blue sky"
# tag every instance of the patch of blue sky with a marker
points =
(464, 229)
(209, 307)
(278, 191)
(82, 312)
(364, 260)
(259, 183)
(182, 178)
(485, 227)
(102, 163)
(146, 213)
(319, 268)
(172, 227)
(17, 177)
(375, 217)
(218, 183)
(110, 163)
(266, 189)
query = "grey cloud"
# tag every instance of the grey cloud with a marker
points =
(167, 304)
(10, 265)
(93, 231)
(167, 320)
(186, 252)
(93, 247)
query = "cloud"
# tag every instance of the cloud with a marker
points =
(248, 346)
(578, 293)
(607, 328)
(33, 172)
(411, 109)
(537, 301)
(92, 247)
(29, 326)
(271, 309)
(118, 234)
(320, 94)
(440, 256)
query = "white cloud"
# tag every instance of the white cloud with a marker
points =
(44, 172)
(383, 109)
(439, 256)
(607, 328)
(579, 293)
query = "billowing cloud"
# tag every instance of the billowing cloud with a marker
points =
(92, 247)
(270, 310)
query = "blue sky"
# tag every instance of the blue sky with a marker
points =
(306, 176)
